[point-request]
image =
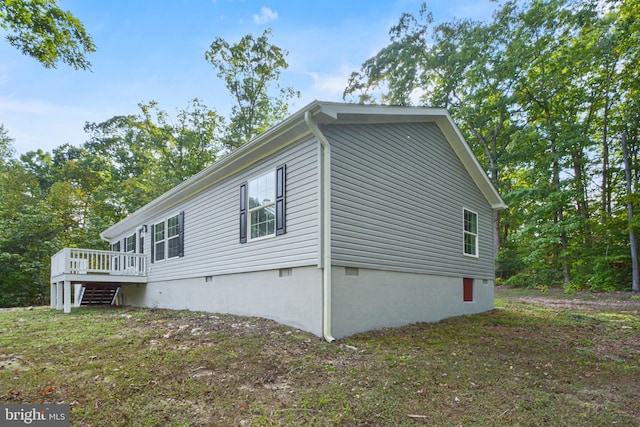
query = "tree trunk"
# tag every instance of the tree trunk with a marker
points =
(606, 194)
(635, 286)
(566, 268)
(559, 218)
(581, 195)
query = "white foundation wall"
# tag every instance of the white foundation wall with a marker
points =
(376, 299)
(289, 296)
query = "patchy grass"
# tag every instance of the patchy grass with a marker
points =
(538, 359)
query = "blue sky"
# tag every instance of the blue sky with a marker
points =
(154, 50)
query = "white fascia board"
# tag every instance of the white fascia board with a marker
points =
(359, 113)
(469, 160)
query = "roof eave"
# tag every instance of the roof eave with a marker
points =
(223, 167)
(323, 113)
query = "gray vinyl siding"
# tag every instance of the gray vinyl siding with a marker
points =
(211, 224)
(398, 193)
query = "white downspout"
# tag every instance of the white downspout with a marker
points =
(326, 227)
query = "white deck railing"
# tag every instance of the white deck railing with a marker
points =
(89, 261)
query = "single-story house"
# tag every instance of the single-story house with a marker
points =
(342, 218)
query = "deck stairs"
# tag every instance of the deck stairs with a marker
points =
(98, 294)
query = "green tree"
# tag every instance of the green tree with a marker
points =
(146, 154)
(40, 29)
(185, 147)
(626, 117)
(251, 69)
(542, 92)
(544, 42)
(6, 146)
(27, 230)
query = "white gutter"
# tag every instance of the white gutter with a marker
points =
(326, 226)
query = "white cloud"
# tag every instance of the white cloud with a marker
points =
(329, 85)
(35, 124)
(266, 15)
(11, 105)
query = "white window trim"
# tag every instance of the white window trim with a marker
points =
(115, 259)
(465, 232)
(130, 262)
(250, 210)
(141, 240)
(165, 241)
(155, 242)
(126, 249)
(255, 239)
(177, 236)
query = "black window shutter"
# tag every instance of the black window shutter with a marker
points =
(281, 224)
(134, 242)
(153, 241)
(181, 231)
(243, 213)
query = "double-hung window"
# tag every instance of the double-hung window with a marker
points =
(470, 234)
(158, 239)
(168, 238)
(262, 206)
(130, 247)
(141, 248)
(173, 237)
(140, 243)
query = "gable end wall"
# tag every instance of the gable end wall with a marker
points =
(398, 193)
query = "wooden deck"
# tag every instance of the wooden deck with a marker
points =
(87, 268)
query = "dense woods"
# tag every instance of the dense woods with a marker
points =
(49, 201)
(547, 93)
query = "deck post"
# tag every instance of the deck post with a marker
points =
(52, 295)
(67, 296)
(58, 295)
